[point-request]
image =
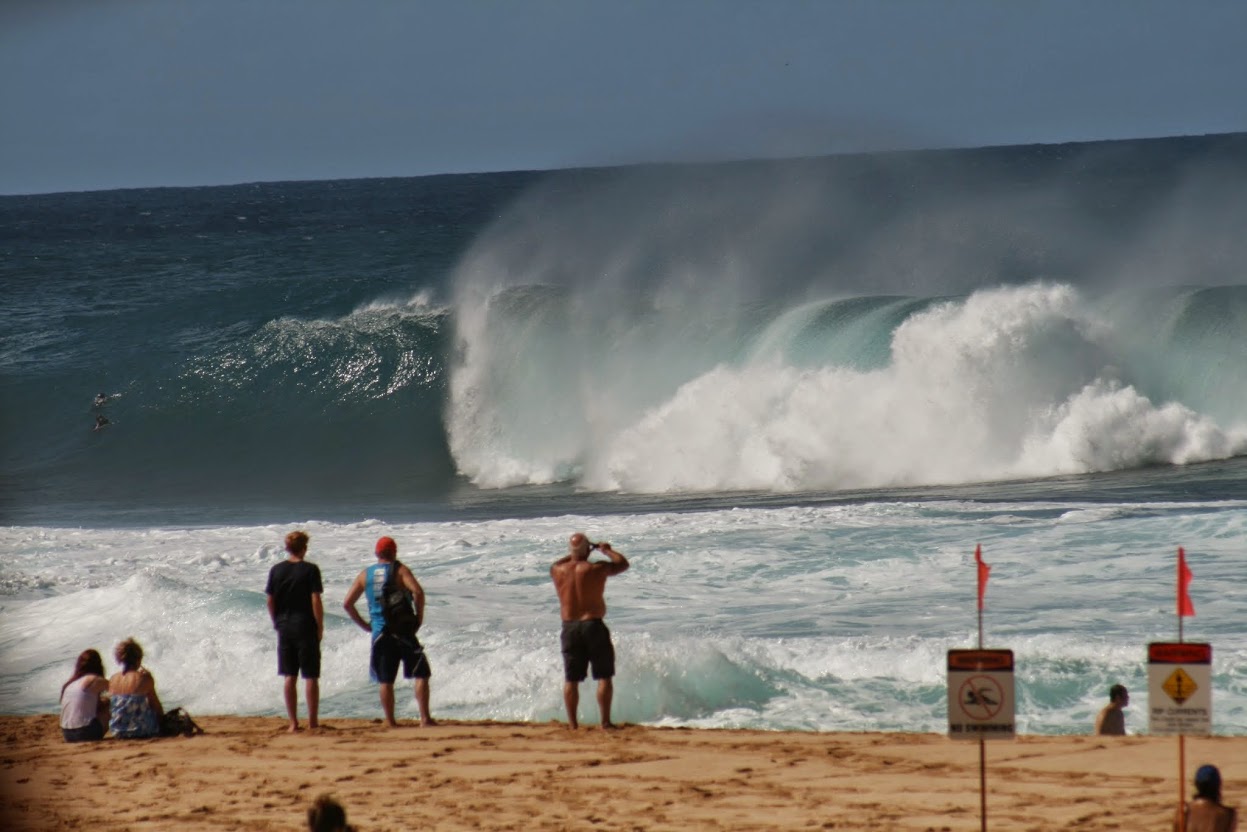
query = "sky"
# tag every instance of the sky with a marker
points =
(98, 94)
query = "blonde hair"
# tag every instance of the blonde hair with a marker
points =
(130, 654)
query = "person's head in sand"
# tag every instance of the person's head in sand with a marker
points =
(327, 815)
(1206, 812)
(1208, 783)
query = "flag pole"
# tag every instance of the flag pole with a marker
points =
(1181, 774)
(982, 571)
(983, 750)
(1183, 608)
(983, 785)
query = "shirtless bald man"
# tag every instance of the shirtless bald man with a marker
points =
(586, 641)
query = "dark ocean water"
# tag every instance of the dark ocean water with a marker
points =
(294, 346)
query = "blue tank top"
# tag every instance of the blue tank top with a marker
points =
(374, 581)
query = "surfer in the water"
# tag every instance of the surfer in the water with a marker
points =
(101, 421)
(101, 399)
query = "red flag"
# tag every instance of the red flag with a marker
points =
(1185, 607)
(985, 570)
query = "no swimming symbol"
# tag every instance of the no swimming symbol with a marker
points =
(981, 698)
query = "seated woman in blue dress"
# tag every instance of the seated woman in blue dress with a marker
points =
(135, 707)
(84, 710)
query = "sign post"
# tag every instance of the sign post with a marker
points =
(1180, 674)
(980, 692)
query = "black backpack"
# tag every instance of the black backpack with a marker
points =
(397, 609)
(178, 722)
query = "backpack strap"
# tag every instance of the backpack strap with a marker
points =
(391, 578)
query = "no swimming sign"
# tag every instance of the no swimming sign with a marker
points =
(980, 694)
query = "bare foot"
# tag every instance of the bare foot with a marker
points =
(428, 723)
(392, 725)
(293, 729)
(609, 726)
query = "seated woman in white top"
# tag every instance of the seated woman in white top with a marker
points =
(84, 710)
(136, 709)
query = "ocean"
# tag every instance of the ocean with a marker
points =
(795, 393)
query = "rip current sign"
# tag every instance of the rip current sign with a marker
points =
(1179, 688)
(980, 694)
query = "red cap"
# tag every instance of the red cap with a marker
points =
(386, 546)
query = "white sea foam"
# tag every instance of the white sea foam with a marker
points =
(807, 617)
(1014, 382)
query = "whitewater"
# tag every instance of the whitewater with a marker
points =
(795, 394)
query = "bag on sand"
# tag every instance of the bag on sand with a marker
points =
(396, 606)
(178, 723)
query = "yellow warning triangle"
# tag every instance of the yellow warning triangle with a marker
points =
(1180, 686)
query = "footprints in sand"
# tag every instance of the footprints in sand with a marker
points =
(485, 777)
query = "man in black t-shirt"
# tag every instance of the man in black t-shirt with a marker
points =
(294, 591)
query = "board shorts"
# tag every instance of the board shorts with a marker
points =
(298, 653)
(388, 652)
(587, 643)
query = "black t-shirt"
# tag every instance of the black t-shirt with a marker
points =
(292, 584)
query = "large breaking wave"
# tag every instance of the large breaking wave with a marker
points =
(678, 332)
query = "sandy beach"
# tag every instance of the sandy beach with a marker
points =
(247, 773)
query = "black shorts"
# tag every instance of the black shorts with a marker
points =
(587, 643)
(92, 731)
(389, 651)
(298, 653)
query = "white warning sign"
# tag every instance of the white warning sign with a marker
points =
(980, 694)
(1179, 688)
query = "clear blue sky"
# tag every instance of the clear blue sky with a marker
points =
(128, 93)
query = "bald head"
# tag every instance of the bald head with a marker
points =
(578, 546)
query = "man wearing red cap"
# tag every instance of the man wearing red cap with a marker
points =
(389, 648)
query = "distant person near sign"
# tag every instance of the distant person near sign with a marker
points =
(1112, 722)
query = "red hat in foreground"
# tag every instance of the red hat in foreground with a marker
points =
(386, 546)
